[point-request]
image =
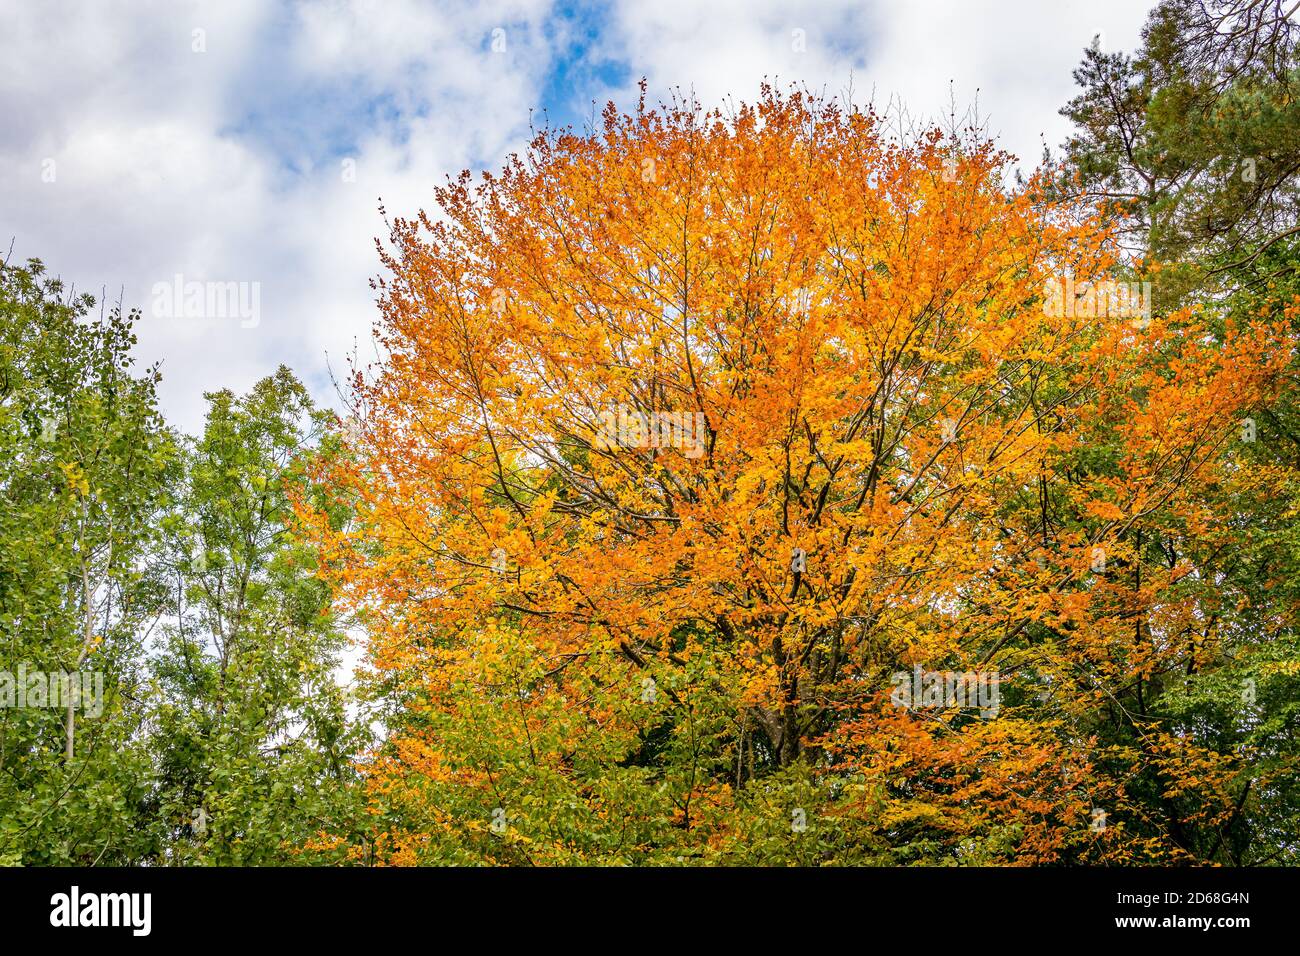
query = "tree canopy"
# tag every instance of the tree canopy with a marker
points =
(752, 486)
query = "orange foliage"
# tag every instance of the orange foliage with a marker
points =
(760, 410)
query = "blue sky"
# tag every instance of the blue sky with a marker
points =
(250, 140)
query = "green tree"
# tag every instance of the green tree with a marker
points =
(253, 738)
(1196, 141)
(168, 571)
(85, 468)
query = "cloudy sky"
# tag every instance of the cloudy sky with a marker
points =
(250, 141)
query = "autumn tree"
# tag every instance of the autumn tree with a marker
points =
(697, 438)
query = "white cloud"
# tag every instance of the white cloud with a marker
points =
(226, 164)
(1014, 57)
